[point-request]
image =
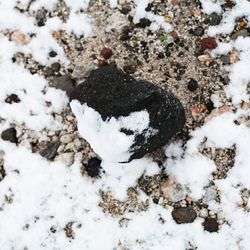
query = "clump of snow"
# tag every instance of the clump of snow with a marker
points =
(210, 6)
(105, 137)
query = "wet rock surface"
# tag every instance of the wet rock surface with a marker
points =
(114, 93)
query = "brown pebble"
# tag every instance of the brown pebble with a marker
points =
(106, 53)
(184, 215)
(211, 225)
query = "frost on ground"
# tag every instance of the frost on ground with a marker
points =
(47, 205)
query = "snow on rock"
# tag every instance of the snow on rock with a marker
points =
(128, 118)
(105, 137)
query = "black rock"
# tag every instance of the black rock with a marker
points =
(209, 105)
(56, 66)
(114, 93)
(211, 225)
(52, 53)
(94, 167)
(125, 9)
(50, 150)
(198, 31)
(192, 85)
(214, 19)
(41, 17)
(64, 83)
(9, 135)
(143, 23)
(184, 215)
(13, 98)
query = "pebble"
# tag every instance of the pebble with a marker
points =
(225, 59)
(49, 152)
(209, 105)
(56, 66)
(66, 138)
(210, 194)
(208, 43)
(143, 23)
(66, 158)
(52, 53)
(41, 17)
(64, 83)
(106, 53)
(211, 225)
(94, 167)
(203, 213)
(214, 19)
(48, 72)
(192, 85)
(199, 31)
(184, 215)
(13, 98)
(9, 135)
(173, 191)
(125, 9)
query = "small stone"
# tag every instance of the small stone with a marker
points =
(94, 167)
(130, 67)
(18, 37)
(64, 83)
(203, 213)
(52, 53)
(143, 23)
(125, 9)
(50, 150)
(209, 105)
(205, 58)
(173, 191)
(184, 215)
(48, 72)
(198, 31)
(211, 225)
(106, 53)
(9, 135)
(13, 98)
(41, 17)
(192, 85)
(56, 66)
(208, 43)
(238, 33)
(67, 138)
(66, 158)
(214, 19)
(225, 59)
(125, 33)
(233, 56)
(210, 195)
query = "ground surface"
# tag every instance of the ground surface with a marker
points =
(193, 194)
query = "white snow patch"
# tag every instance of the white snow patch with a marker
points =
(105, 137)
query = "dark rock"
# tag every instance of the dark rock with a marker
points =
(56, 66)
(41, 17)
(13, 98)
(50, 150)
(9, 135)
(143, 23)
(238, 33)
(199, 31)
(211, 225)
(208, 43)
(94, 167)
(64, 83)
(209, 105)
(114, 93)
(52, 53)
(184, 215)
(106, 53)
(192, 85)
(2, 172)
(215, 19)
(225, 59)
(130, 67)
(125, 9)
(125, 33)
(48, 72)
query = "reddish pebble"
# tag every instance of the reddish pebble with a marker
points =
(208, 43)
(106, 53)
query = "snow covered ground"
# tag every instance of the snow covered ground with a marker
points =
(38, 198)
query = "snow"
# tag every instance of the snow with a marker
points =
(37, 195)
(105, 137)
